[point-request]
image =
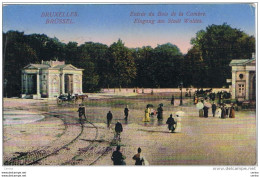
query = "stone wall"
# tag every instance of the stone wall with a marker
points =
(157, 90)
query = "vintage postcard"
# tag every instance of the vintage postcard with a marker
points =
(149, 84)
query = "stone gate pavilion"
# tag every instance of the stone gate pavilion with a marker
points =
(51, 79)
(244, 79)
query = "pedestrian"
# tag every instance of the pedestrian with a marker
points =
(118, 128)
(214, 107)
(218, 112)
(177, 120)
(160, 112)
(171, 122)
(201, 112)
(117, 157)
(109, 118)
(195, 99)
(205, 109)
(81, 112)
(172, 100)
(126, 112)
(223, 112)
(227, 110)
(139, 158)
(232, 112)
(147, 114)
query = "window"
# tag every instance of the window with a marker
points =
(241, 88)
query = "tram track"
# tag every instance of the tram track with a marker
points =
(35, 157)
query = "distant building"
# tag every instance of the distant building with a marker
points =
(243, 79)
(51, 79)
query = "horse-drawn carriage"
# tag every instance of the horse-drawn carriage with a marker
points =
(71, 98)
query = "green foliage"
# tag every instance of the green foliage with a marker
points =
(123, 68)
(212, 51)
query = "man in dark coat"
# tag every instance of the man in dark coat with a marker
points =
(205, 109)
(126, 112)
(172, 100)
(214, 107)
(118, 128)
(223, 112)
(109, 118)
(81, 112)
(117, 157)
(160, 113)
(137, 157)
(171, 123)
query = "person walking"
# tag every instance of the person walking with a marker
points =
(82, 112)
(146, 114)
(139, 160)
(118, 129)
(109, 118)
(214, 108)
(218, 112)
(177, 120)
(126, 111)
(172, 100)
(160, 112)
(117, 157)
(223, 112)
(171, 123)
(205, 109)
(232, 112)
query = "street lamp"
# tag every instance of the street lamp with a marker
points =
(181, 85)
(5, 84)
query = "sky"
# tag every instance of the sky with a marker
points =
(106, 23)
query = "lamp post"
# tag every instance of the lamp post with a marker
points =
(5, 84)
(181, 85)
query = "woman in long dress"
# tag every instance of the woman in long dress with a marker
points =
(218, 113)
(232, 112)
(178, 125)
(147, 115)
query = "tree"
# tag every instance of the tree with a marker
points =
(16, 55)
(123, 68)
(214, 48)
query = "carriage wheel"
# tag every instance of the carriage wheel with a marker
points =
(59, 101)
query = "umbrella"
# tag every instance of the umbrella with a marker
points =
(207, 104)
(179, 113)
(199, 105)
(149, 105)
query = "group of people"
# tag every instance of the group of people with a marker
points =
(150, 112)
(220, 110)
(119, 159)
(225, 111)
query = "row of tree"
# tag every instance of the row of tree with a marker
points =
(205, 65)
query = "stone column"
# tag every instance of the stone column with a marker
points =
(22, 77)
(38, 83)
(62, 89)
(26, 83)
(81, 90)
(73, 85)
(233, 85)
(247, 85)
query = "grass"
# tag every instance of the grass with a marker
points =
(109, 102)
(59, 135)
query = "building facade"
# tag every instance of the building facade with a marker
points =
(243, 79)
(51, 79)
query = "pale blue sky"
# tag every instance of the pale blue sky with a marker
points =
(106, 23)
